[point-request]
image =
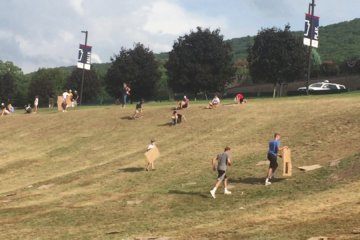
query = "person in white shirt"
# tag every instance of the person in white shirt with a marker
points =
(36, 104)
(214, 103)
(64, 104)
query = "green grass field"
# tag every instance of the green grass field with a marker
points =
(80, 174)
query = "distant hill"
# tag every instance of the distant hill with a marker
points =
(338, 42)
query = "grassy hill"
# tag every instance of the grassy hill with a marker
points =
(79, 175)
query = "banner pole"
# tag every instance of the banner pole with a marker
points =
(83, 70)
(311, 12)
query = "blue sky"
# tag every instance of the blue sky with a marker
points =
(46, 33)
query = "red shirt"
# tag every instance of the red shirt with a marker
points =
(239, 96)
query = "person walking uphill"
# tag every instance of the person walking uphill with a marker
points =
(274, 148)
(223, 160)
(125, 93)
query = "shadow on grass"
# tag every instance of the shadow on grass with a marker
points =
(254, 180)
(200, 194)
(165, 124)
(127, 118)
(131, 169)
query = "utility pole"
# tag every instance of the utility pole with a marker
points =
(83, 70)
(311, 12)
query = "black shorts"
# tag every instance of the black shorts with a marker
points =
(221, 175)
(273, 160)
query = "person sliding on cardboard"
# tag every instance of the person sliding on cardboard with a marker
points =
(223, 160)
(177, 118)
(273, 153)
(214, 103)
(184, 103)
(150, 164)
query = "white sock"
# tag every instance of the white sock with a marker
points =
(214, 189)
(267, 180)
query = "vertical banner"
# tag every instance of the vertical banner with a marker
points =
(311, 31)
(84, 57)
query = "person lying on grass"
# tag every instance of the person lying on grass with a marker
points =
(150, 164)
(177, 118)
(273, 153)
(184, 103)
(138, 109)
(214, 103)
(223, 161)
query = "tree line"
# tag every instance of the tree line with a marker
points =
(200, 62)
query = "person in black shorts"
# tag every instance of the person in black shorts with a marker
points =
(274, 148)
(223, 160)
(138, 109)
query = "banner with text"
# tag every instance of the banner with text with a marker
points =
(84, 57)
(311, 33)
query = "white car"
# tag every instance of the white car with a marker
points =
(324, 86)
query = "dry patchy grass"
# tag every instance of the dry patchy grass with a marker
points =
(91, 163)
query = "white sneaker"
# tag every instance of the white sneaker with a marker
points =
(212, 192)
(227, 192)
(267, 183)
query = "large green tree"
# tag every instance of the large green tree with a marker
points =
(92, 84)
(277, 56)
(200, 62)
(11, 82)
(138, 68)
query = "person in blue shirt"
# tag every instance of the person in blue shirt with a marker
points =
(273, 153)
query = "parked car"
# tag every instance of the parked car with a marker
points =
(324, 87)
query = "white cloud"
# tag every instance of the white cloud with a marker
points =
(95, 58)
(77, 6)
(165, 17)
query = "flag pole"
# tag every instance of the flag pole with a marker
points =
(83, 70)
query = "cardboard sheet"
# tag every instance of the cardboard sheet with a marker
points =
(287, 166)
(152, 155)
(310, 168)
(59, 102)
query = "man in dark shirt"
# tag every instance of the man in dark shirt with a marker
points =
(125, 93)
(223, 160)
(274, 148)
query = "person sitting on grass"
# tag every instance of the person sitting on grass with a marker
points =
(4, 111)
(214, 103)
(240, 99)
(28, 108)
(150, 164)
(184, 103)
(10, 108)
(138, 109)
(273, 153)
(223, 161)
(177, 118)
